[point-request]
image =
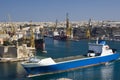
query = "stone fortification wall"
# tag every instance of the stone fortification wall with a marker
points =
(15, 52)
(8, 52)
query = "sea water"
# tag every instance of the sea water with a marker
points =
(59, 49)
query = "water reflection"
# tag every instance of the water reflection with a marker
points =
(107, 72)
(11, 71)
(56, 42)
(80, 74)
(14, 71)
(20, 70)
(100, 72)
(7, 70)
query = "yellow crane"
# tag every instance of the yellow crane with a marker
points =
(88, 34)
(13, 30)
(32, 37)
(55, 26)
(88, 31)
(68, 27)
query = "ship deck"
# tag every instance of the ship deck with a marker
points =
(69, 58)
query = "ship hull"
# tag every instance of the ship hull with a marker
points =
(39, 44)
(69, 65)
(63, 38)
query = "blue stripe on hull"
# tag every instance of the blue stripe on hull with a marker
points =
(72, 64)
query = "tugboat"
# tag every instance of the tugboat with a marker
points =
(98, 53)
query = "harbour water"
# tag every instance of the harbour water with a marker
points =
(58, 49)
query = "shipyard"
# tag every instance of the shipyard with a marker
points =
(59, 40)
(80, 30)
(20, 40)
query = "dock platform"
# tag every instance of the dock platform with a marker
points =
(12, 59)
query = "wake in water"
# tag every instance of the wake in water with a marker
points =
(112, 62)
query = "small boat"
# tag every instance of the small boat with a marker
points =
(98, 53)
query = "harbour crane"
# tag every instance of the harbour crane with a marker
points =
(88, 31)
(68, 27)
(12, 31)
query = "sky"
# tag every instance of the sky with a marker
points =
(50, 10)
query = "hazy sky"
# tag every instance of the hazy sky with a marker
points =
(50, 10)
